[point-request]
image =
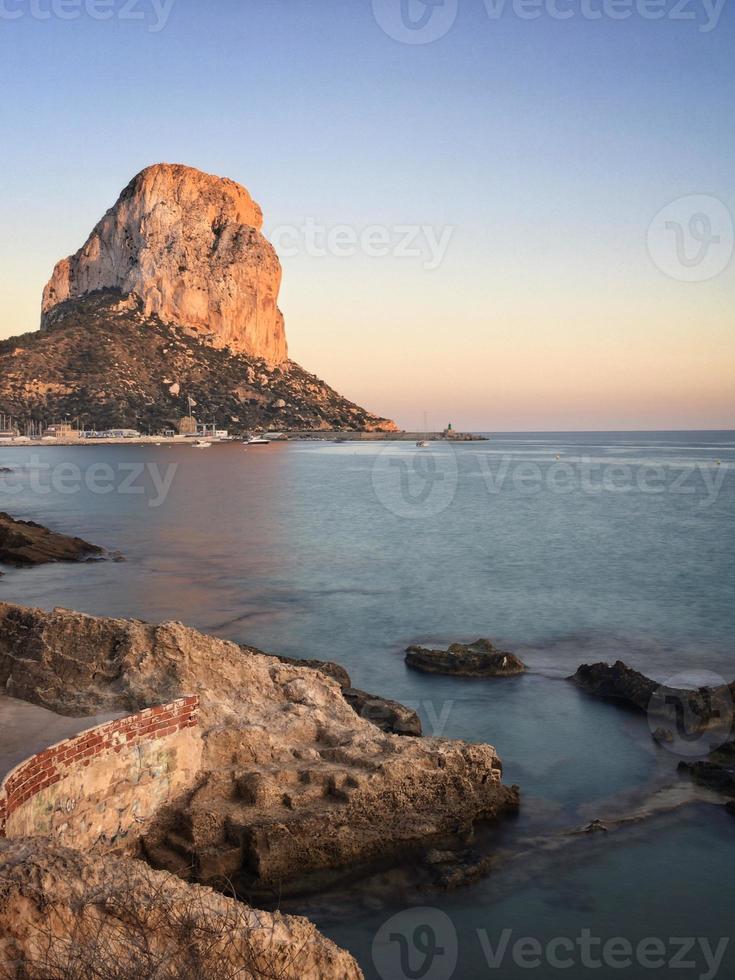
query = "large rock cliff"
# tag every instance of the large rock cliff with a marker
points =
(171, 302)
(189, 245)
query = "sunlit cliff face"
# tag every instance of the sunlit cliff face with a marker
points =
(189, 245)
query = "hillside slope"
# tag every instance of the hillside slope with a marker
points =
(102, 360)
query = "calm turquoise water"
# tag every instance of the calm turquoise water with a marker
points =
(620, 547)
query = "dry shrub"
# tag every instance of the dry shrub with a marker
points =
(145, 926)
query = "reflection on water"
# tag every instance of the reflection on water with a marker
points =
(341, 552)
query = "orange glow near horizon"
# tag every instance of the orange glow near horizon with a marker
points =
(493, 353)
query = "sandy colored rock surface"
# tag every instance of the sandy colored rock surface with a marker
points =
(65, 915)
(189, 245)
(388, 715)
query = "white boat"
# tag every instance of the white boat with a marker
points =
(201, 444)
(424, 443)
(257, 441)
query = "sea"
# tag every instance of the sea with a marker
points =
(563, 548)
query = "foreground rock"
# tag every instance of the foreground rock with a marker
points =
(27, 543)
(295, 788)
(695, 710)
(65, 915)
(478, 659)
(388, 715)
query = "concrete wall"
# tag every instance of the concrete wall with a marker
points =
(99, 789)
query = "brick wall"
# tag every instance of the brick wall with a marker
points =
(107, 750)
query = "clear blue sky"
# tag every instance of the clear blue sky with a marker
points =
(547, 146)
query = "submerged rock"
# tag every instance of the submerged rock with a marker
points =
(478, 659)
(713, 775)
(596, 827)
(27, 543)
(294, 789)
(63, 914)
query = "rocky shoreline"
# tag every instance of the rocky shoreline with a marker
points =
(298, 786)
(306, 784)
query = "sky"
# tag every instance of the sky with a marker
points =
(507, 214)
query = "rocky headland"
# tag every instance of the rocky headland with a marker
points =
(478, 659)
(171, 302)
(189, 246)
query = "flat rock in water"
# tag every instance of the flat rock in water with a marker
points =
(478, 659)
(27, 543)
